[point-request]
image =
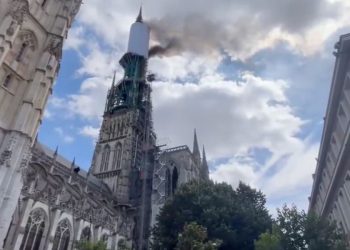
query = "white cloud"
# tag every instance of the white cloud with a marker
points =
(234, 172)
(75, 38)
(64, 137)
(90, 131)
(230, 117)
(47, 114)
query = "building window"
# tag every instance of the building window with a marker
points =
(85, 234)
(34, 230)
(21, 52)
(117, 158)
(175, 177)
(105, 158)
(62, 236)
(342, 117)
(7, 81)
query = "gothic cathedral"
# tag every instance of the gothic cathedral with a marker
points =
(47, 202)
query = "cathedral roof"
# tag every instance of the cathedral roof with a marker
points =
(92, 180)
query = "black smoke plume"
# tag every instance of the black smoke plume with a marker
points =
(171, 47)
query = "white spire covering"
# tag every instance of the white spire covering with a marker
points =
(139, 37)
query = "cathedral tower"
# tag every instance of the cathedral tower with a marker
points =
(31, 38)
(124, 151)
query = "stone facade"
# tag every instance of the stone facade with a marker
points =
(31, 38)
(330, 195)
(174, 167)
(58, 204)
(61, 205)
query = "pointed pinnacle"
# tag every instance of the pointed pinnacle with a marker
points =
(139, 17)
(113, 82)
(195, 142)
(56, 152)
(73, 163)
(204, 156)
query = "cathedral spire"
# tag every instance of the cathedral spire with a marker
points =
(139, 17)
(56, 153)
(205, 168)
(196, 153)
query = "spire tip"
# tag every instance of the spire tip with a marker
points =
(139, 17)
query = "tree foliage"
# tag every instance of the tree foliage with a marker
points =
(320, 234)
(235, 217)
(195, 237)
(296, 230)
(269, 241)
(87, 245)
(291, 225)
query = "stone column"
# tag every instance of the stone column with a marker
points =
(23, 224)
(14, 157)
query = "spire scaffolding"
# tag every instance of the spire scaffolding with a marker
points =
(113, 82)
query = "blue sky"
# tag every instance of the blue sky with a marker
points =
(251, 78)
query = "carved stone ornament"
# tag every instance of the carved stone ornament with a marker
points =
(11, 29)
(19, 8)
(6, 155)
(26, 158)
(75, 8)
(55, 47)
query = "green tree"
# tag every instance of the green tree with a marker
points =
(298, 231)
(87, 245)
(291, 226)
(269, 241)
(235, 217)
(320, 234)
(194, 237)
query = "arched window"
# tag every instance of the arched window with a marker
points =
(122, 129)
(24, 45)
(104, 238)
(174, 180)
(7, 81)
(167, 182)
(117, 156)
(34, 230)
(21, 52)
(85, 234)
(62, 235)
(105, 158)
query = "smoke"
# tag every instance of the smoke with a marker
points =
(239, 29)
(173, 46)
